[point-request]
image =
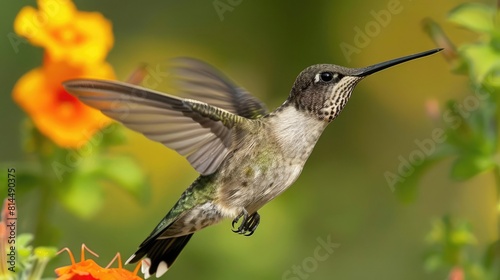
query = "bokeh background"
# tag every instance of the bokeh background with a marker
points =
(342, 193)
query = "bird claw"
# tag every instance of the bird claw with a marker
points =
(248, 224)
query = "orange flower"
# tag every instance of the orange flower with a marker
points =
(84, 270)
(89, 270)
(123, 274)
(67, 34)
(57, 114)
(76, 44)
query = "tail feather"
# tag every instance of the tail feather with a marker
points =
(160, 254)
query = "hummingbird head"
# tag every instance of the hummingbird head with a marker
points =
(324, 89)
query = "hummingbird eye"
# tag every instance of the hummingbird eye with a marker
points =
(328, 77)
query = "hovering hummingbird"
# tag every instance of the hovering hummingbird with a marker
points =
(246, 156)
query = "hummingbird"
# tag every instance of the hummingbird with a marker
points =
(246, 156)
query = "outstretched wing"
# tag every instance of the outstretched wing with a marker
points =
(200, 132)
(200, 81)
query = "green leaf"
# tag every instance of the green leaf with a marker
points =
(474, 16)
(83, 196)
(468, 166)
(23, 247)
(433, 262)
(462, 236)
(492, 78)
(481, 58)
(43, 252)
(125, 173)
(24, 250)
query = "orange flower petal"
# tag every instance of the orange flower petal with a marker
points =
(66, 34)
(89, 270)
(120, 273)
(56, 113)
(84, 270)
(59, 11)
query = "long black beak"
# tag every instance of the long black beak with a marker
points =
(363, 72)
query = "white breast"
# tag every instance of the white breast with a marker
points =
(297, 132)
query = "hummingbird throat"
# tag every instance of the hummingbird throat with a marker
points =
(336, 101)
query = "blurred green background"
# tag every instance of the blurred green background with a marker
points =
(342, 192)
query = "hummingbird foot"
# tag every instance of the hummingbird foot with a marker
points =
(248, 224)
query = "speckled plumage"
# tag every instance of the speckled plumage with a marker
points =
(245, 155)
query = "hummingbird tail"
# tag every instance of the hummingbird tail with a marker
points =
(160, 254)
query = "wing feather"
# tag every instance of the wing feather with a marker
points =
(198, 134)
(200, 81)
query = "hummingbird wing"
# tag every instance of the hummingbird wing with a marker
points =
(200, 132)
(200, 81)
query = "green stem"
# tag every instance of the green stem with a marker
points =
(39, 267)
(43, 234)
